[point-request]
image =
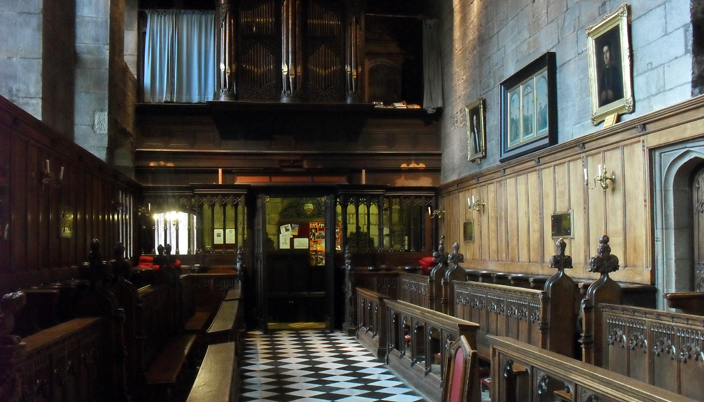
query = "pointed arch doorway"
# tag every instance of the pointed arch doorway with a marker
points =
(678, 215)
(295, 245)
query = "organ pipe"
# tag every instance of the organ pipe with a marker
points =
(352, 67)
(227, 50)
(292, 49)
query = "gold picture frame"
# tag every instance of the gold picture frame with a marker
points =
(66, 222)
(609, 54)
(476, 134)
(468, 231)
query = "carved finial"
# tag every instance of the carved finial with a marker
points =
(96, 269)
(95, 257)
(440, 256)
(10, 304)
(456, 257)
(120, 265)
(160, 250)
(560, 260)
(604, 262)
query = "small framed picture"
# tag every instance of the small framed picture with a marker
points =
(608, 51)
(529, 109)
(476, 135)
(468, 231)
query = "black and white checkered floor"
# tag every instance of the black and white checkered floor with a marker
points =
(313, 366)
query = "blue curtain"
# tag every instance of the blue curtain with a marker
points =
(179, 56)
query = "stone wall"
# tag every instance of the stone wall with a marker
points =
(92, 48)
(36, 64)
(122, 89)
(58, 37)
(484, 42)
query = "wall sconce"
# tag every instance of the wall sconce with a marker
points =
(602, 178)
(435, 212)
(47, 177)
(475, 204)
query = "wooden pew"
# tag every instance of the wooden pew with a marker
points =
(167, 351)
(416, 289)
(69, 362)
(551, 376)
(603, 290)
(537, 317)
(418, 341)
(371, 321)
(500, 310)
(656, 347)
(224, 327)
(369, 273)
(218, 377)
(81, 359)
(128, 299)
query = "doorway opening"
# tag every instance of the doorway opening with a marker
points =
(297, 257)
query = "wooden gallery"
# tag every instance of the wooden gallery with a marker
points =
(498, 200)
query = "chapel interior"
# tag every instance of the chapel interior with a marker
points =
(498, 200)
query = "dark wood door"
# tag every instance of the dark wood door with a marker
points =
(295, 235)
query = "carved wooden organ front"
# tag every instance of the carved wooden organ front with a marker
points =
(289, 49)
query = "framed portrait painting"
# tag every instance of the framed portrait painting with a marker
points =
(608, 51)
(529, 109)
(476, 135)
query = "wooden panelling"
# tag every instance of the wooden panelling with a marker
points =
(516, 217)
(34, 252)
(521, 195)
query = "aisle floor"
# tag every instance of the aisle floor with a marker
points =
(314, 365)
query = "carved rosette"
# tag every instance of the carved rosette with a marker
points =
(638, 341)
(691, 352)
(617, 336)
(664, 345)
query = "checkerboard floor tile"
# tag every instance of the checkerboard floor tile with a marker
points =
(286, 366)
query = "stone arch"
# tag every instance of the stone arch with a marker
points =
(674, 167)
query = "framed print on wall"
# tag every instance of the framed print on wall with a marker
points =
(529, 109)
(476, 135)
(609, 54)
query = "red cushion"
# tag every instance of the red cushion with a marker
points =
(457, 377)
(145, 259)
(426, 263)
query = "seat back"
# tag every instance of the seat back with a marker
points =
(461, 373)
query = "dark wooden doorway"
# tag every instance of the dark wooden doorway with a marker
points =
(295, 261)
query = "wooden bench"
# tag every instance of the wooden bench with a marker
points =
(218, 377)
(166, 351)
(371, 321)
(416, 289)
(418, 340)
(167, 369)
(553, 376)
(508, 311)
(656, 347)
(225, 325)
(68, 359)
